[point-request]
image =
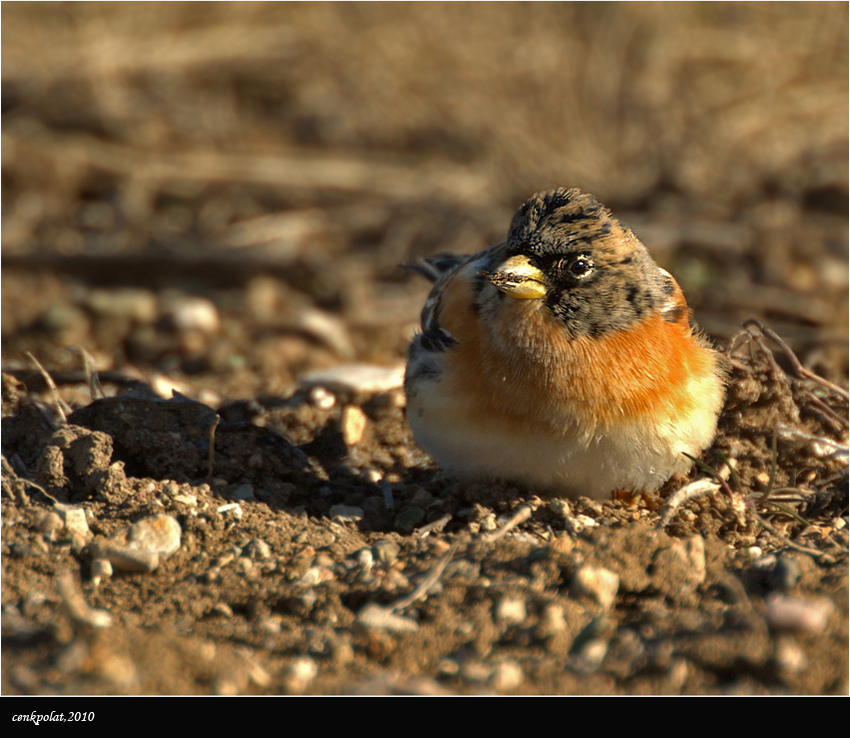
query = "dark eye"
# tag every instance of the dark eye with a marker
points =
(580, 267)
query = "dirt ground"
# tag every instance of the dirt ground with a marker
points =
(220, 495)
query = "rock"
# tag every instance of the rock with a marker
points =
(356, 380)
(380, 618)
(786, 613)
(352, 425)
(596, 582)
(510, 610)
(142, 546)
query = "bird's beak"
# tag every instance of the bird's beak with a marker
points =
(519, 278)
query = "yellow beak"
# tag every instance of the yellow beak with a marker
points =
(519, 278)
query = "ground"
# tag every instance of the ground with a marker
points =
(217, 497)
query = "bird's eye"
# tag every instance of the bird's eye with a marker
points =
(581, 267)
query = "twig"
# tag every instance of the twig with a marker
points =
(714, 473)
(12, 474)
(434, 527)
(690, 491)
(774, 459)
(824, 411)
(211, 460)
(787, 541)
(61, 406)
(430, 579)
(92, 378)
(520, 516)
(795, 362)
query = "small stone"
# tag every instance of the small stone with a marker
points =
(788, 657)
(32, 603)
(786, 613)
(76, 524)
(257, 548)
(352, 425)
(50, 522)
(596, 582)
(373, 476)
(357, 379)
(160, 534)
(326, 328)
(142, 546)
(552, 621)
(127, 302)
(381, 618)
(510, 610)
(347, 513)
(190, 313)
(592, 651)
(321, 398)
(300, 673)
(507, 676)
(365, 559)
(244, 492)
(100, 569)
(126, 558)
(386, 551)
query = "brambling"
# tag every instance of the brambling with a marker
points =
(562, 359)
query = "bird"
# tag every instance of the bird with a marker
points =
(562, 359)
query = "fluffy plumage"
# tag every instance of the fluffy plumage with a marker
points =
(562, 358)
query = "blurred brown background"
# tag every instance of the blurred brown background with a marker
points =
(224, 191)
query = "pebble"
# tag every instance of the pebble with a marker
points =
(352, 425)
(139, 305)
(786, 613)
(160, 534)
(510, 610)
(321, 398)
(300, 673)
(234, 508)
(100, 569)
(597, 582)
(356, 379)
(788, 657)
(373, 476)
(191, 313)
(257, 548)
(126, 558)
(476, 671)
(326, 328)
(143, 545)
(347, 513)
(552, 620)
(32, 603)
(381, 618)
(386, 551)
(507, 676)
(244, 492)
(365, 559)
(75, 521)
(50, 522)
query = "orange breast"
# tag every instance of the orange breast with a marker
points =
(523, 367)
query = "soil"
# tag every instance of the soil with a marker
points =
(210, 494)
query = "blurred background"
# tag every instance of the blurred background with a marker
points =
(221, 193)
